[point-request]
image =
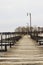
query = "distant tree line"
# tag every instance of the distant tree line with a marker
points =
(27, 29)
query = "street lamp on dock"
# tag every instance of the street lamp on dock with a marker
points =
(27, 28)
(30, 19)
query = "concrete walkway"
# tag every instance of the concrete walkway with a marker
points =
(25, 52)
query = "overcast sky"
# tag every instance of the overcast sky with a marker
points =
(13, 13)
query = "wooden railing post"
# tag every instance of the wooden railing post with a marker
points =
(5, 42)
(5, 47)
(10, 42)
(13, 39)
(37, 37)
(1, 41)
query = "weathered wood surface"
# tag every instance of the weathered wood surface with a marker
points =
(25, 52)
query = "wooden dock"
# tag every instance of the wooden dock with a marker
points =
(25, 52)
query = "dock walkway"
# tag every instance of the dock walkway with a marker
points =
(25, 52)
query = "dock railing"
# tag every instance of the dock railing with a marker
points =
(8, 39)
(38, 38)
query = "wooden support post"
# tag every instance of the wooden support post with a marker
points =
(5, 42)
(5, 47)
(8, 38)
(10, 42)
(39, 43)
(37, 37)
(13, 39)
(1, 41)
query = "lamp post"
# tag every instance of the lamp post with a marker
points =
(27, 28)
(30, 20)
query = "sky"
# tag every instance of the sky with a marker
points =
(13, 13)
